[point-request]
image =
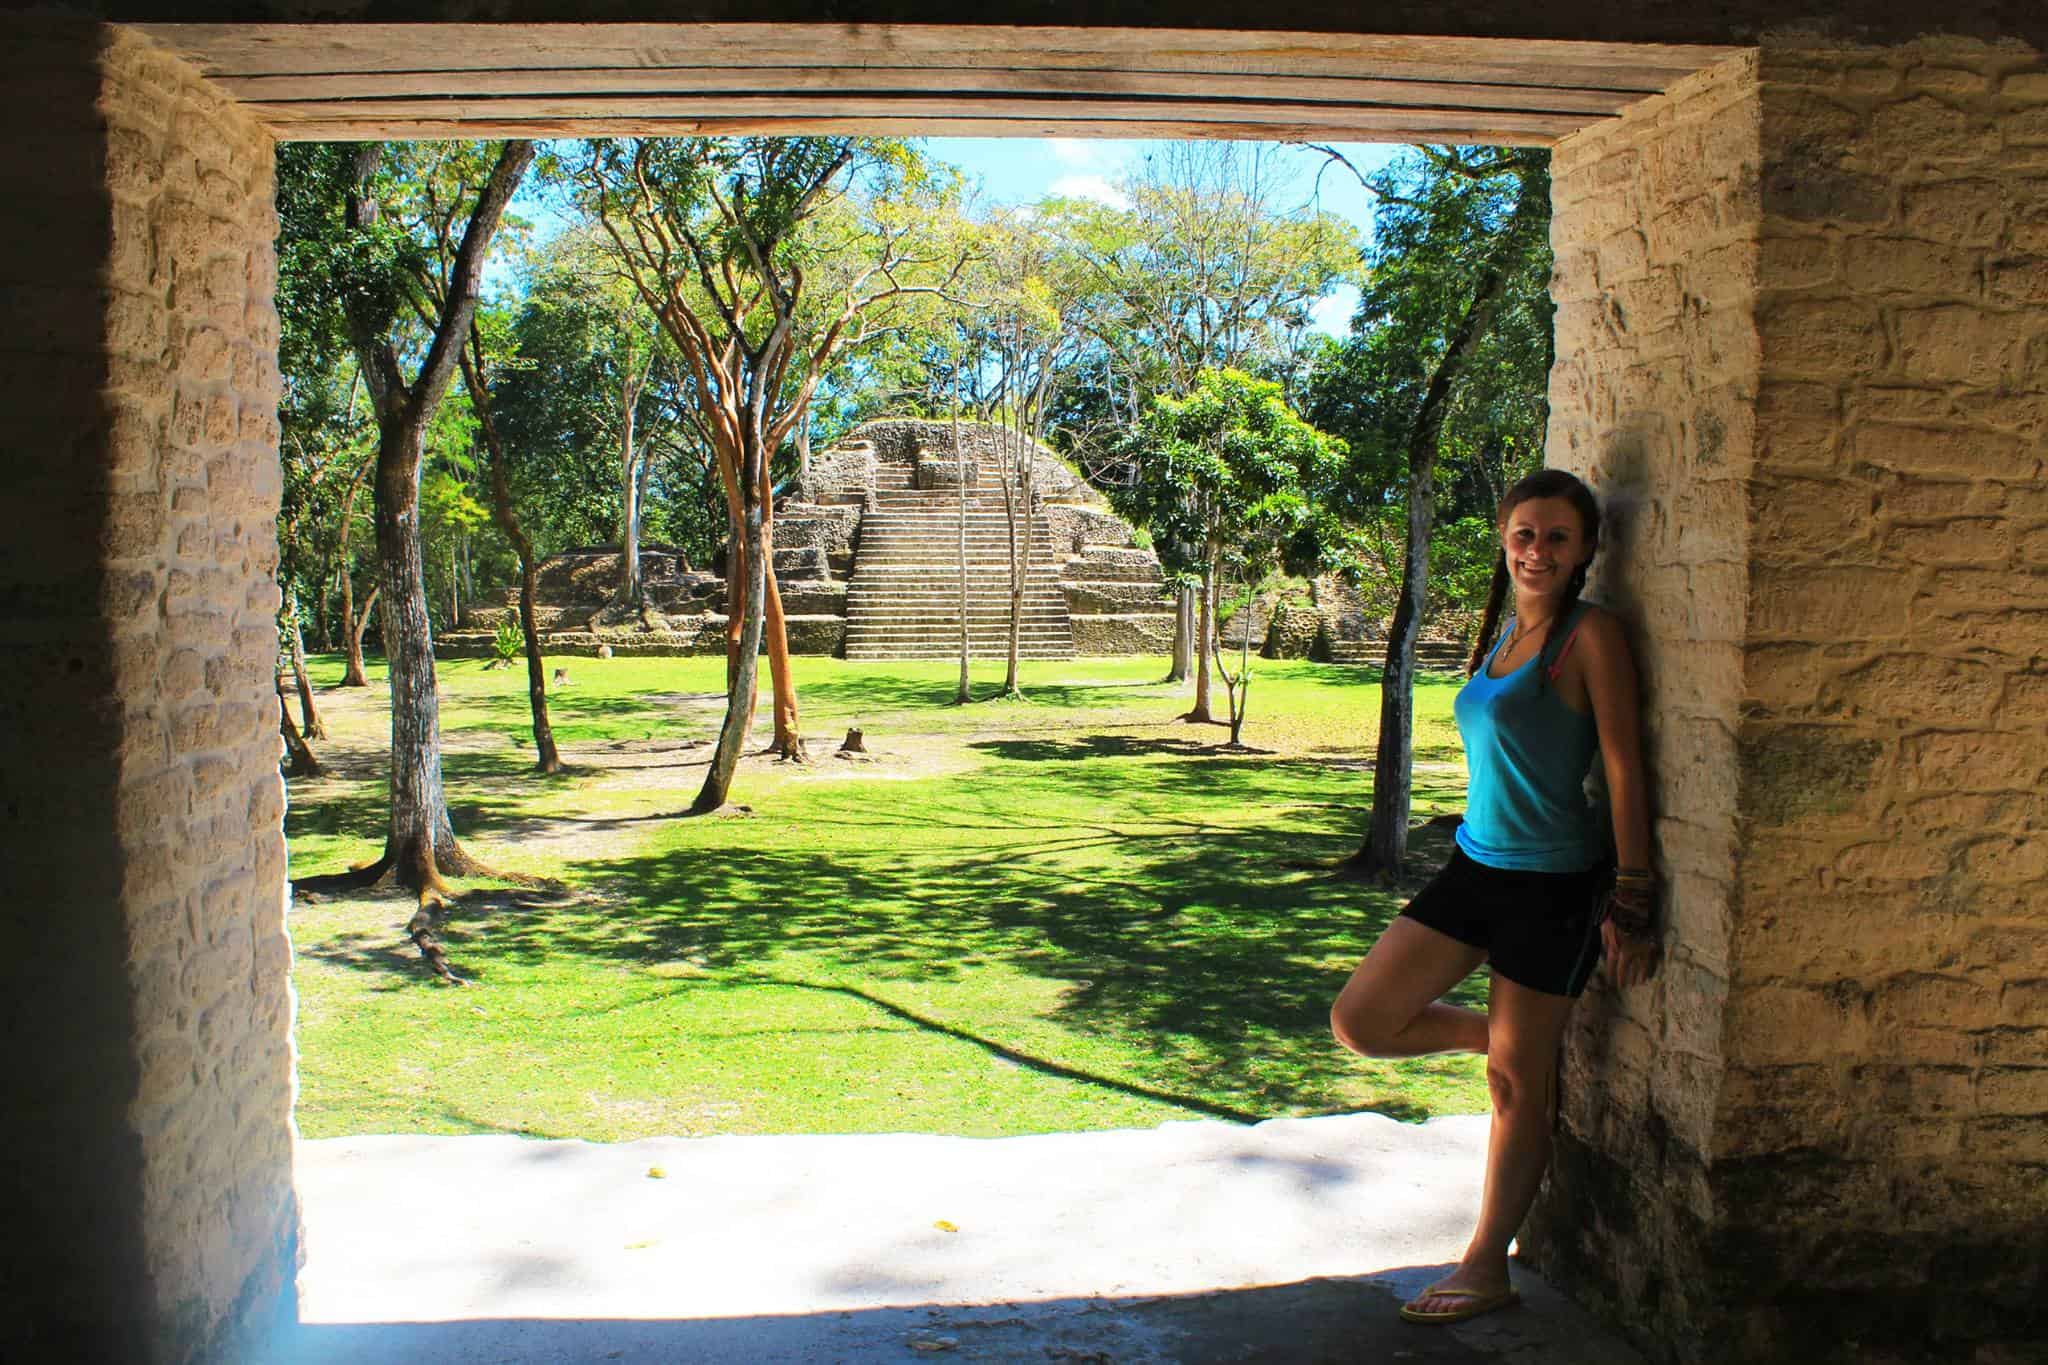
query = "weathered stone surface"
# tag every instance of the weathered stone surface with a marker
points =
(1877, 732)
(939, 472)
(1150, 633)
(149, 1202)
(804, 526)
(1076, 527)
(1111, 598)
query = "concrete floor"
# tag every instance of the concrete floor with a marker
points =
(1293, 1240)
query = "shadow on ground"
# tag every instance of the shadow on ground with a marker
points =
(1324, 1321)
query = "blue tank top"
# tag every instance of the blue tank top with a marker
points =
(1526, 756)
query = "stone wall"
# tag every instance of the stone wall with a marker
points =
(149, 1202)
(1804, 354)
(1887, 1037)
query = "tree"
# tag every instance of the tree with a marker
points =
(1450, 342)
(1020, 334)
(763, 258)
(474, 373)
(406, 296)
(1231, 471)
(1202, 271)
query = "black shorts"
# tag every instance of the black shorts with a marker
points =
(1539, 929)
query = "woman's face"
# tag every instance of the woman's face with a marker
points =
(1544, 540)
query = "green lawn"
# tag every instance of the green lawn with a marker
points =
(1066, 913)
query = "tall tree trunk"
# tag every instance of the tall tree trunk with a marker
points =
(1183, 634)
(355, 636)
(629, 504)
(1206, 637)
(750, 550)
(313, 728)
(788, 742)
(789, 739)
(303, 764)
(548, 759)
(421, 847)
(1384, 852)
(964, 693)
(1016, 509)
(351, 626)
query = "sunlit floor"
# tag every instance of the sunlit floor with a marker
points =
(1290, 1240)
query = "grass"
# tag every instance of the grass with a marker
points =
(1073, 912)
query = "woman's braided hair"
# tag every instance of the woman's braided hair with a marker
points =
(1544, 483)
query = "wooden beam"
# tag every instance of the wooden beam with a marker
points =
(311, 49)
(1342, 120)
(757, 80)
(1415, 129)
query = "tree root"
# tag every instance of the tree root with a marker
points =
(1361, 866)
(789, 749)
(420, 929)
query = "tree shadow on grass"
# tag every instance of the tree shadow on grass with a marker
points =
(1192, 945)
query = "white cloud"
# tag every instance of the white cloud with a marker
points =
(1090, 187)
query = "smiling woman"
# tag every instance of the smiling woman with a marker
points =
(1527, 889)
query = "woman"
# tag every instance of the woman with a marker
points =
(1525, 886)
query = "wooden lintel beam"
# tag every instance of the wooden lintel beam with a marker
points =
(305, 49)
(899, 106)
(805, 80)
(1419, 129)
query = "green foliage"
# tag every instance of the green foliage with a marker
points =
(1223, 477)
(507, 642)
(1439, 215)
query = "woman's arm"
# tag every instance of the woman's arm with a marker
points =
(1612, 689)
(1611, 686)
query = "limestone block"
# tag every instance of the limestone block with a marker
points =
(805, 526)
(803, 597)
(1150, 633)
(816, 634)
(1073, 528)
(803, 563)
(1958, 343)
(1113, 598)
(934, 472)
(1966, 212)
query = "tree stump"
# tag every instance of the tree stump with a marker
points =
(562, 678)
(855, 742)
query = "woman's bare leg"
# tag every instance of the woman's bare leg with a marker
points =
(1524, 1027)
(1389, 1007)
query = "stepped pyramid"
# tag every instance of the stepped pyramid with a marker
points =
(867, 560)
(904, 599)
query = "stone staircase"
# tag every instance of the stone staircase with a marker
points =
(904, 599)
(1431, 656)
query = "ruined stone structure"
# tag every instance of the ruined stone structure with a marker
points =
(867, 560)
(1803, 350)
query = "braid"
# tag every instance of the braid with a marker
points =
(1572, 589)
(1489, 623)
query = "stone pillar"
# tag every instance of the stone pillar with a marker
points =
(147, 1063)
(1803, 352)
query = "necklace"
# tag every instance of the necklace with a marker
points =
(1515, 635)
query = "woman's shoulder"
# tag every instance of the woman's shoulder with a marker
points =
(1599, 630)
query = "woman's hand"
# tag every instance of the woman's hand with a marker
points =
(1631, 958)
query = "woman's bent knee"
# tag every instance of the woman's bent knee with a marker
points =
(1359, 1030)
